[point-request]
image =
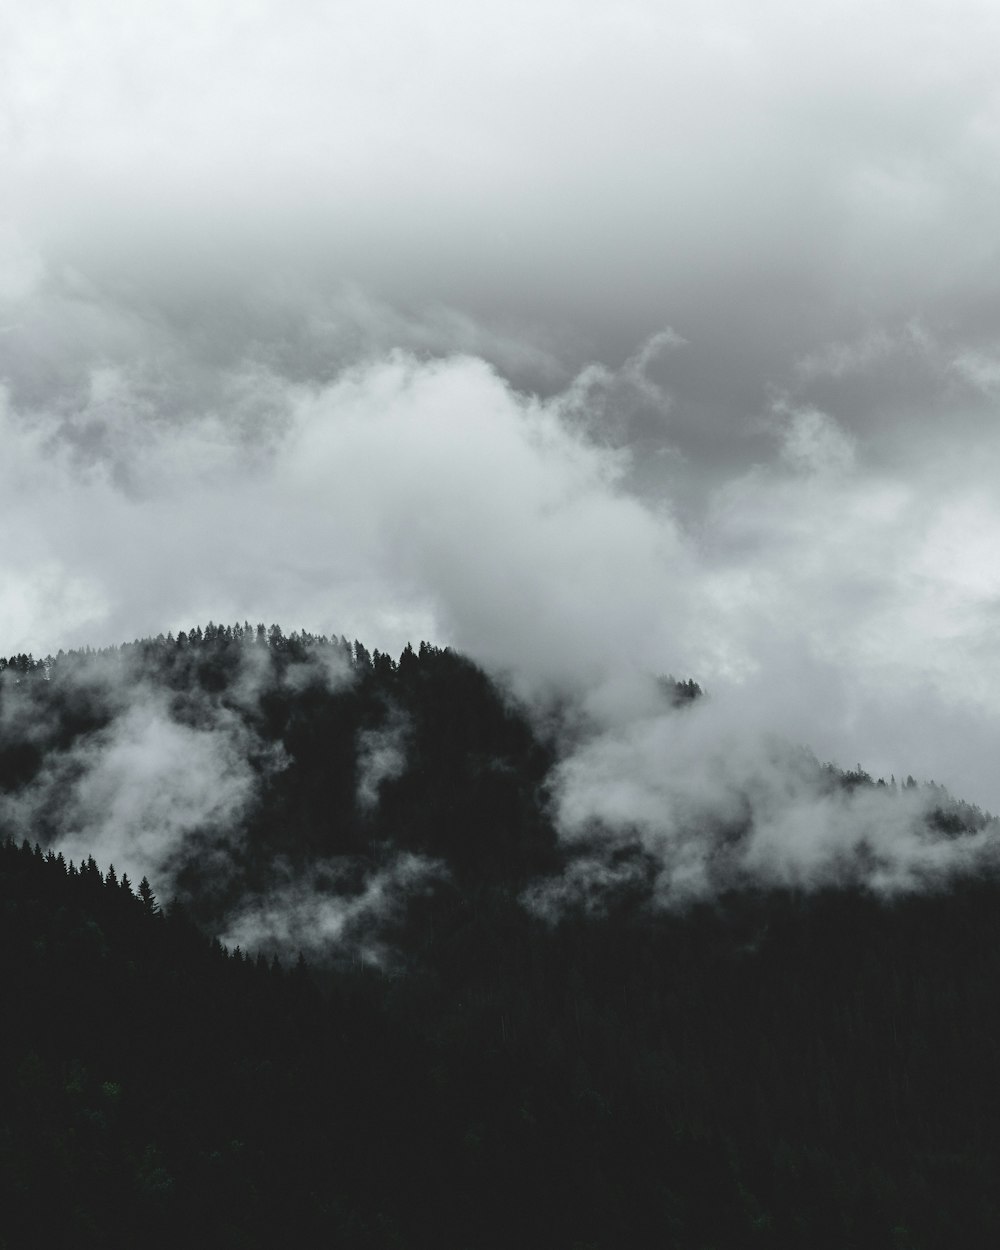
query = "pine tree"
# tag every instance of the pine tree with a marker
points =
(148, 897)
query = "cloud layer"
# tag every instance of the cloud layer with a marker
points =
(356, 317)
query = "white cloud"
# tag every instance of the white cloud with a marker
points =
(133, 794)
(714, 798)
(813, 441)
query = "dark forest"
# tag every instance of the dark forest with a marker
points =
(348, 1001)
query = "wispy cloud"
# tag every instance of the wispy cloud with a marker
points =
(381, 758)
(325, 913)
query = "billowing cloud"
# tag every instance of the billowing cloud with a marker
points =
(414, 498)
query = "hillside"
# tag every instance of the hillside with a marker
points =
(488, 1041)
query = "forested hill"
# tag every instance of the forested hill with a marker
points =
(226, 758)
(261, 755)
(474, 1053)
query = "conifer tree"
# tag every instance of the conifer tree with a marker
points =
(148, 897)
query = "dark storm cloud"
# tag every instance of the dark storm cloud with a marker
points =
(557, 181)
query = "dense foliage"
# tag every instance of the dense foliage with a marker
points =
(770, 1067)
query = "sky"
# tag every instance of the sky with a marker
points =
(596, 339)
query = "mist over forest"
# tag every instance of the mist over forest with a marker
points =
(296, 790)
(305, 941)
(643, 359)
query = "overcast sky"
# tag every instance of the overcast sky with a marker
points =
(595, 338)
